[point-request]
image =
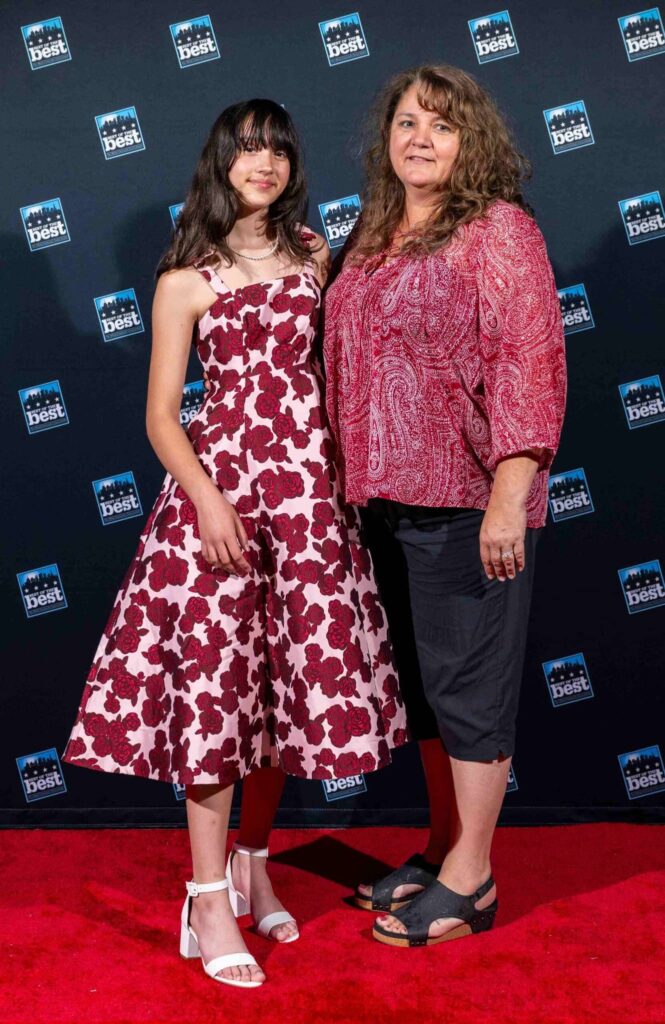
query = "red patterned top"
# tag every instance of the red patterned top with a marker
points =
(439, 367)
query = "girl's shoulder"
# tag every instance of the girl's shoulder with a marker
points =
(184, 289)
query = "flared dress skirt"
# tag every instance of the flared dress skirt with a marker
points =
(201, 677)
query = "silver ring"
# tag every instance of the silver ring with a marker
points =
(506, 554)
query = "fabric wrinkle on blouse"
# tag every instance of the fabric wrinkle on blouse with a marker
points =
(440, 366)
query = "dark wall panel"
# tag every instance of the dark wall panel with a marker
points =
(582, 86)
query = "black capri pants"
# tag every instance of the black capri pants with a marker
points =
(459, 638)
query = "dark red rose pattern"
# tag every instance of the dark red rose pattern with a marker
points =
(200, 677)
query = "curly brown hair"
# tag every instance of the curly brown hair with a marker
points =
(488, 166)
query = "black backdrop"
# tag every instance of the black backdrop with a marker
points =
(568, 763)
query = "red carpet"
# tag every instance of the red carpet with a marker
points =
(89, 933)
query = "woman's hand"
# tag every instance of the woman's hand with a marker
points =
(504, 524)
(223, 537)
(502, 539)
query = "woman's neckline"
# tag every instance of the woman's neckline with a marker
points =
(264, 281)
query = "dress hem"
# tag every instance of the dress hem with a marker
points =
(232, 778)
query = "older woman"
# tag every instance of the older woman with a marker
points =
(446, 385)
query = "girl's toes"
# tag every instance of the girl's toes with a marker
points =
(285, 931)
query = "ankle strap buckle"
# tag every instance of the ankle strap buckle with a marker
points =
(196, 888)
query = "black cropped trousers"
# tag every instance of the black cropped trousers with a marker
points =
(458, 638)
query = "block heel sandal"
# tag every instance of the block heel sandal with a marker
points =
(189, 942)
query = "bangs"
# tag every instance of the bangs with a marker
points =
(264, 125)
(438, 97)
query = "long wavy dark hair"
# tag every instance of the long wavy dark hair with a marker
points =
(488, 166)
(212, 204)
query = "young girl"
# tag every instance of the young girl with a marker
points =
(247, 640)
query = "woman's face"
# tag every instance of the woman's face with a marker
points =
(423, 145)
(259, 175)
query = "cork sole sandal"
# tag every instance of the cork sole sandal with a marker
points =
(436, 902)
(415, 871)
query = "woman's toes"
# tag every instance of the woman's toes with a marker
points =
(391, 924)
(365, 890)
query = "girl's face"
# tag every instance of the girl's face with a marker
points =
(259, 175)
(423, 145)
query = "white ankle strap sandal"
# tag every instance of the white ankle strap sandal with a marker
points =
(189, 943)
(241, 904)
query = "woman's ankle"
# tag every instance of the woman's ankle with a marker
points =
(467, 873)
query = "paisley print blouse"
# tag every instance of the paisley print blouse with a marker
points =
(439, 367)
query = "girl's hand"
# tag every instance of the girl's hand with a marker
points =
(223, 537)
(502, 540)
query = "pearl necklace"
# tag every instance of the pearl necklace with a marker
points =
(271, 252)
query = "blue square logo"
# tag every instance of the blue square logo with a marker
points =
(643, 217)
(642, 586)
(41, 775)
(120, 133)
(642, 772)
(179, 791)
(46, 43)
(493, 37)
(194, 41)
(643, 401)
(569, 495)
(567, 680)
(119, 315)
(117, 498)
(642, 34)
(44, 224)
(43, 407)
(41, 590)
(193, 396)
(339, 217)
(343, 39)
(174, 210)
(575, 309)
(339, 789)
(568, 127)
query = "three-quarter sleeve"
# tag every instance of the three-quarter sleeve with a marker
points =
(520, 338)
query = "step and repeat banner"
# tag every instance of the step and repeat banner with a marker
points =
(106, 110)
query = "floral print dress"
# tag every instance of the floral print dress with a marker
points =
(201, 677)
